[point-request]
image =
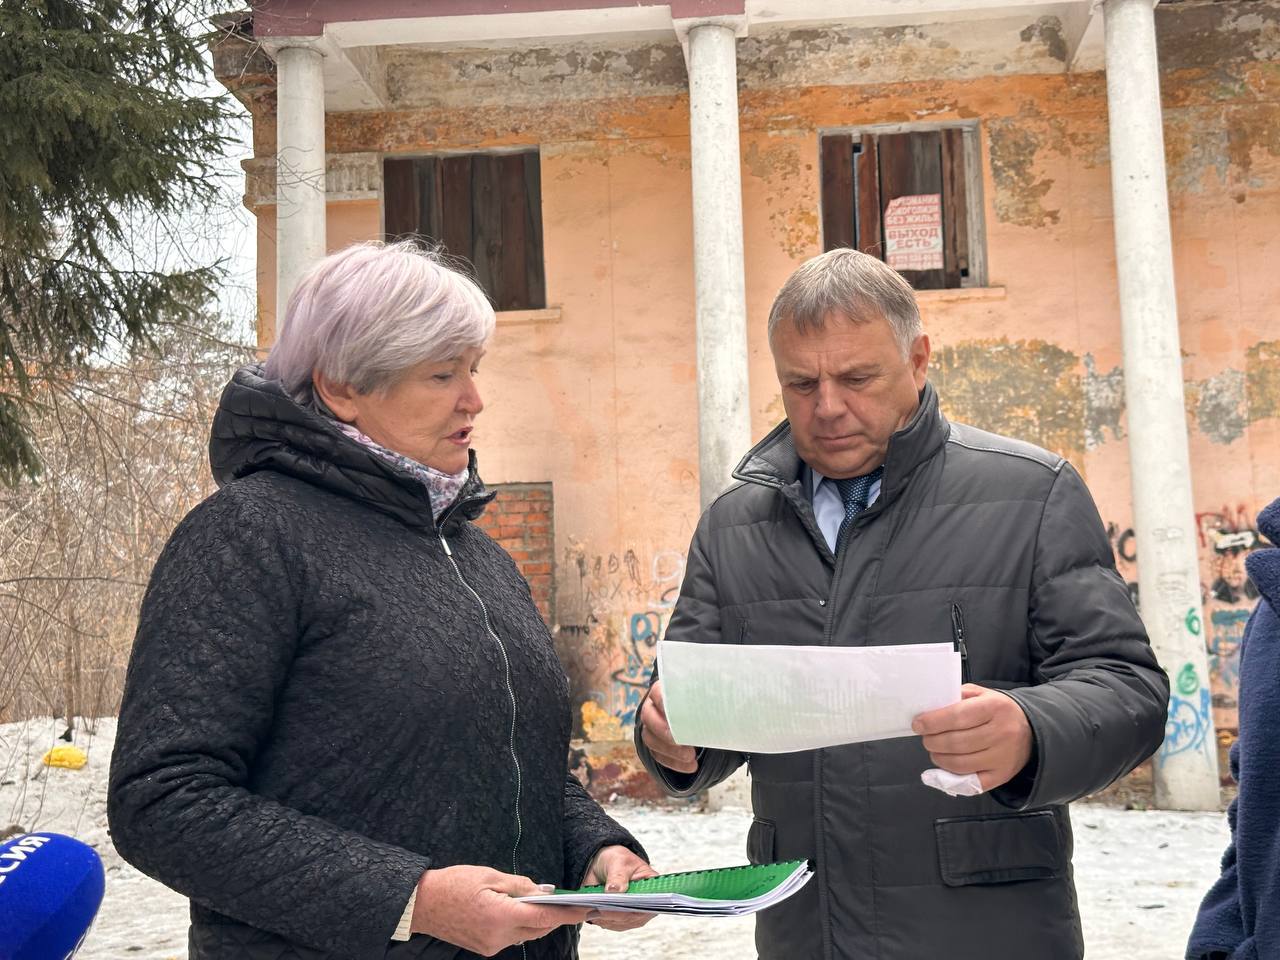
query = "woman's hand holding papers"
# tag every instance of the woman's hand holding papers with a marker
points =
(615, 867)
(656, 734)
(474, 908)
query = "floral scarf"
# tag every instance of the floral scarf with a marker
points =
(442, 487)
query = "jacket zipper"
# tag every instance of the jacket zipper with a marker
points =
(957, 637)
(511, 693)
(828, 630)
(841, 552)
(506, 664)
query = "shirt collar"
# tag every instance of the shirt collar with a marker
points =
(815, 481)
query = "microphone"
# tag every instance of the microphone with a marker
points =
(50, 889)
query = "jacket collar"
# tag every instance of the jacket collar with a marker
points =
(1264, 565)
(774, 461)
(258, 426)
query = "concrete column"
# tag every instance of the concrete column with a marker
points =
(300, 188)
(724, 418)
(1186, 768)
(724, 413)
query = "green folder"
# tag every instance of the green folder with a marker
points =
(727, 891)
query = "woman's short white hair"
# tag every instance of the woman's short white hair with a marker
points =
(364, 315)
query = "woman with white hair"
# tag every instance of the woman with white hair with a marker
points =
(345, 730)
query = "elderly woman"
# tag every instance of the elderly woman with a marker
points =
(345, 730)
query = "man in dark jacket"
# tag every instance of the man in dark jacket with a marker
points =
(1240, 917)
(867, 518)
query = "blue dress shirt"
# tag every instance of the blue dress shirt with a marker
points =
(828, 508)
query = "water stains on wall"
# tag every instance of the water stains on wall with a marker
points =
(1028, 389)
(417, 76)
(1020, 187)
(1103, 404)
(1217, 405)
(1262, 380)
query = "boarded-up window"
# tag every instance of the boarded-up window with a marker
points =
(483, 208)
(903, 197)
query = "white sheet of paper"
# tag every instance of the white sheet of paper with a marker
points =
(780, 699)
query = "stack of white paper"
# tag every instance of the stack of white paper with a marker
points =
(781, 699)
(727, 892)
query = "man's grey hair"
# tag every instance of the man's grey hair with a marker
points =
(364, 315)
(857, 285)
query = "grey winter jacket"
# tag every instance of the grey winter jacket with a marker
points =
(974, 538)
(318, 708)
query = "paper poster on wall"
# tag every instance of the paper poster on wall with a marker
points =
(913, 232)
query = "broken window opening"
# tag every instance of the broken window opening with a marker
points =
(908, 198)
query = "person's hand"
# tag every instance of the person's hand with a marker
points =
(472, 907)
(656, 734)
(985, 733)
(616, 867)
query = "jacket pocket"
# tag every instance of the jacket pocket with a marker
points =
(1000, 848)
(760, 841)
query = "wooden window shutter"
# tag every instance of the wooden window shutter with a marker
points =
(482, 208)
(955, 208)
(533, 262)
(486, 223)
(837, 192)
(455, 219)
(400, 195)
(851, 194)
(867, 183)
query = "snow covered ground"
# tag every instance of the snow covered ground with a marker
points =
(1140, 874)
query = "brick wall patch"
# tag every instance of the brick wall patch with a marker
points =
(521, 519)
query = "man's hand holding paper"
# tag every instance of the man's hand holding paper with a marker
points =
(656, 733)
(725, 700)
(986, 734)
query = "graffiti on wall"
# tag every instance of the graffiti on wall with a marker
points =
(1125, 547)
(613, 608)
(614, 613)
(1226, 537)
(1186, 729)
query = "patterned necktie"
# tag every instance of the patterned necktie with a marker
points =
(854, 491)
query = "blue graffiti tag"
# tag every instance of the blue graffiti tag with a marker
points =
(631, 682)
(1228, 632)
(1224, 650)
(1186, 729)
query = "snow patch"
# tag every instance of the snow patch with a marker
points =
(1140, 874)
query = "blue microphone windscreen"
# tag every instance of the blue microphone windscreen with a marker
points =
(50, 889)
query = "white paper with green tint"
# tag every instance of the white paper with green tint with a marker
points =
(781, 699)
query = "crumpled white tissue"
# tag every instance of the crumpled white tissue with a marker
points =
(952, 784)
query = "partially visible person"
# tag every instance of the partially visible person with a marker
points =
(345, 729)
(1240, 916)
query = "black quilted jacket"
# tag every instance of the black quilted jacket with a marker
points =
(316, 710)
